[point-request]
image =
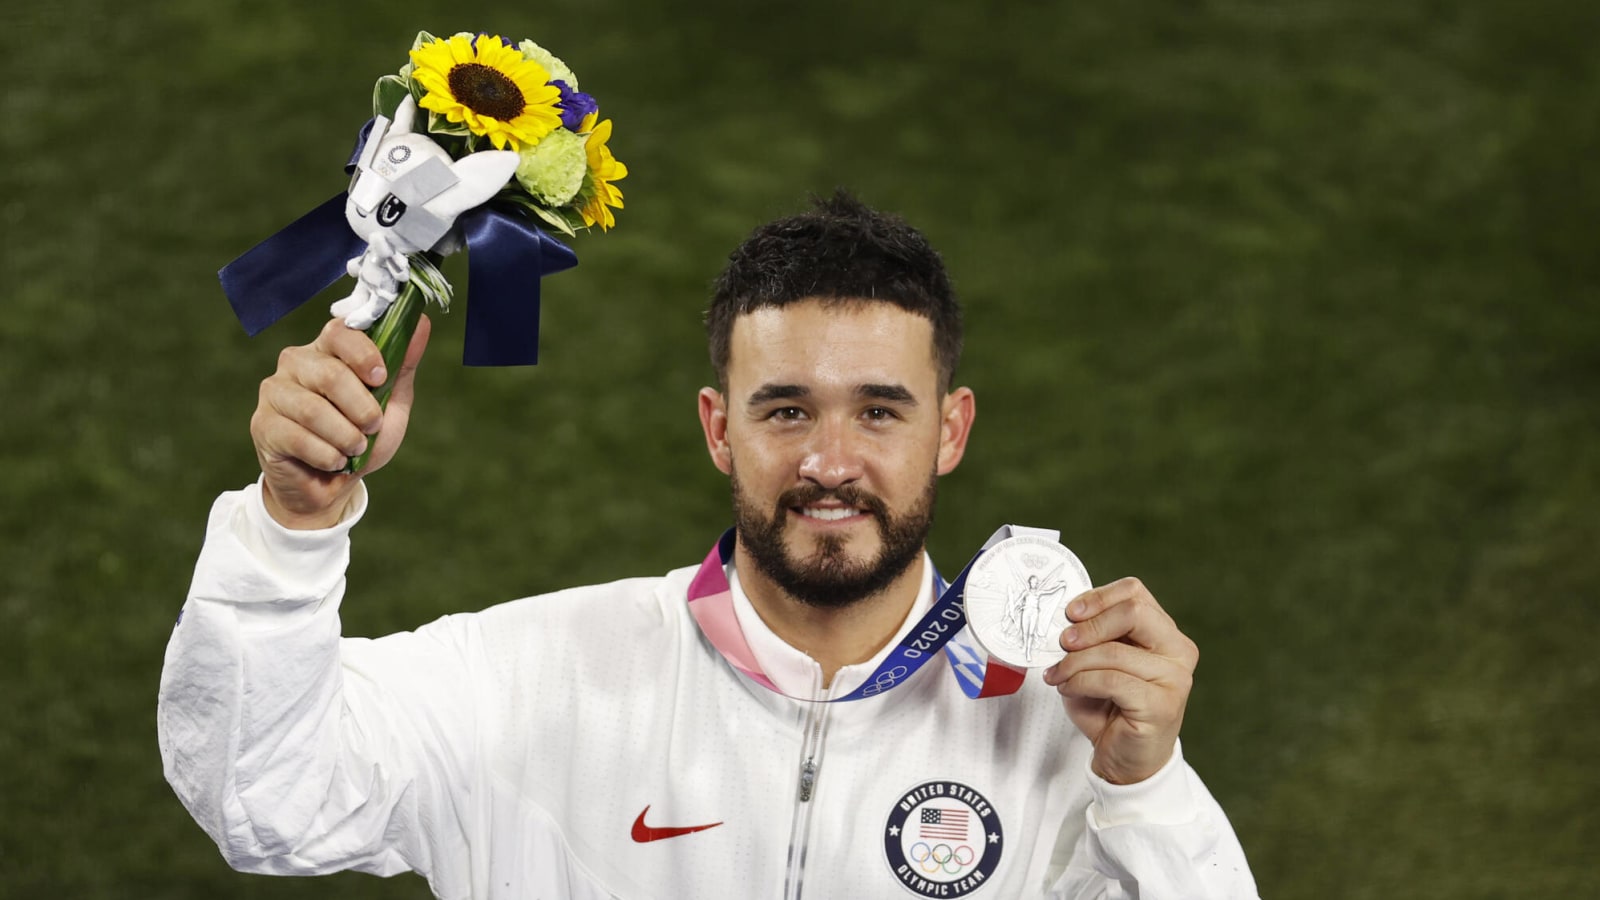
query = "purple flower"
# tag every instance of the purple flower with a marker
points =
(484, 34)
(574, 105)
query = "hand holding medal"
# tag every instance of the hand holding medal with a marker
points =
(1125, 679)
(1122, 666)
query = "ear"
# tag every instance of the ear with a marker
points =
(482, 174)
(404, 115)
(959, 409)
(714, 422)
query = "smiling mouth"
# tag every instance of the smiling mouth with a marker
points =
(827, 513)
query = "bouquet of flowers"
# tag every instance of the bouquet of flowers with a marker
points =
(475, 144)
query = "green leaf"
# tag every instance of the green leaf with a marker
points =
(427, 277)
(387, 95)
(555, 219)
(453, 144)
(514, 197)
(438, 124)
(559, 219)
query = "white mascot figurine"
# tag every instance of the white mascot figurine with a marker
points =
(405, 198)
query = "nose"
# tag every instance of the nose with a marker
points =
(833, 456)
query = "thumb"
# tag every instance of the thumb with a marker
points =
(398, 413)
(405, 384)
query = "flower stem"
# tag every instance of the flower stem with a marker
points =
(392, 333)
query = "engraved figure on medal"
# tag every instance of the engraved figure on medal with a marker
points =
(1016, 599)
(1023, 614)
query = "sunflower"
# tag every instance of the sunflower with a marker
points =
(490, 87)
(603, 170)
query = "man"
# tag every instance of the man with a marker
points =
(670, 737)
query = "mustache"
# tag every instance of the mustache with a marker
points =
(812, 494)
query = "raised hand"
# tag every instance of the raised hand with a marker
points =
(316, 411)
(1126, 678)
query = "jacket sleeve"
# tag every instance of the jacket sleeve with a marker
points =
(300, 752)
(1165, 838)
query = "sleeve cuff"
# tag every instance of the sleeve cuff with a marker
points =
(1164, 798)
(291, 554)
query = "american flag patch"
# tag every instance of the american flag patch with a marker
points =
(943, 824)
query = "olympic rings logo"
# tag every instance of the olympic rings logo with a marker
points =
(884, 681)
(942, 856)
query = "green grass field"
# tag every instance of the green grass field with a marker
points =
(1291, 309)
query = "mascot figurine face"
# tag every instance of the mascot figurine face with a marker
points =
(405, 198)
(407, 189)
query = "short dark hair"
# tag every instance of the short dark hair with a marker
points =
(839, 250)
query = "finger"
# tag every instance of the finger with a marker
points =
(397, 417)
(1119, 657)
(1124, 611)
(313, 412)
(355, 349)
(1097, 600)
(405, 384)
(286, 441)
(314, 369)
(1129, 621)
(1138, 699)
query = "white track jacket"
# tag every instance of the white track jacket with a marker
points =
(591, 743)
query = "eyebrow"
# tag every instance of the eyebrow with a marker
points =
(769, 392)
(889, 393)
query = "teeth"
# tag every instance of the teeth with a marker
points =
(828, 515)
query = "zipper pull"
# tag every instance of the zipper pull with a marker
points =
(808, 780)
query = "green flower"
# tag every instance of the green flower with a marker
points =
(558, 70)
(552, 170)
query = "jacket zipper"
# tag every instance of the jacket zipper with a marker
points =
(812, 746)
(816, 726)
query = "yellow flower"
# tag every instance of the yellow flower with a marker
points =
(488, 86)
(603, 170)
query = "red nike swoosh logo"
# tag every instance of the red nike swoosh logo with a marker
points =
(644, 834)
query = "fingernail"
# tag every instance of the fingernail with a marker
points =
(1078, 609)
(377, 375)
(359, 449)
(1071, 636)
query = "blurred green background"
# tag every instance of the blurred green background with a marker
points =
(1290, 309)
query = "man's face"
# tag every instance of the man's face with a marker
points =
(833, 432)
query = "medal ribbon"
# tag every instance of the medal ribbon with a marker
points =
(942, 627)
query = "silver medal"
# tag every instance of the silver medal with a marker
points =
(1016, 599)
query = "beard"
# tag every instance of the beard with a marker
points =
(830, 578)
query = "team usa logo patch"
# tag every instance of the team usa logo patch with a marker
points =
(943, 839)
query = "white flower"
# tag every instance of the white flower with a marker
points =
(558, 70)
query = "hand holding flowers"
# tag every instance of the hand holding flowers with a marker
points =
(475, 143)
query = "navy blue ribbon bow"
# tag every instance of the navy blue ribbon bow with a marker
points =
(506, 257)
